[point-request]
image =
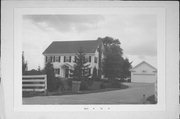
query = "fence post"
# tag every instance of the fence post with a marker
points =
(45, 90)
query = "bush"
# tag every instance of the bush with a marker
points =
(112, 84)
(151, 99)
(64, 85)
(51, 80)
(96, 85)
(115, 84)
(86, 84)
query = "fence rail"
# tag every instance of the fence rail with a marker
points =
(34, 83)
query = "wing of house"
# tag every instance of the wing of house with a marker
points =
(144, 73)
(62, 55)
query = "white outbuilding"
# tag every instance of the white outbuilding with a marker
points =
(144, 73)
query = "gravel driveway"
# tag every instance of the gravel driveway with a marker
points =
(131, 95)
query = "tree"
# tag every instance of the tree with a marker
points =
(114, 65)
(24, 64)
(94, 75)
(80, 68)
(126, 68)
(34, 72)
(51, 80)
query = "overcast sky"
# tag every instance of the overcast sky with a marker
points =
(137, 34)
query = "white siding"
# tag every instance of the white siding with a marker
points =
(143, 78)
(71, 64)
(143, 73)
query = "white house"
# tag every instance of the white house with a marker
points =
(62, 55)
(144, 73)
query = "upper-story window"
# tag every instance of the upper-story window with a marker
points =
(95, 59)
(46, 59)
(75, 59)
(67, 58)
(54, 58)
(49, 59)
(58, 59)
(89, 59)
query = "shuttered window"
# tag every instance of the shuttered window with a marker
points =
(59, 58)
(89, 58)
(67, 58)
(95, 59)
(46, 59)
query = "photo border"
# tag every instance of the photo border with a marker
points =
(169, 110)
(160, 12)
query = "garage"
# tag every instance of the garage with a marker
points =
(143, 73)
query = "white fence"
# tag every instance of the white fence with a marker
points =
(34, 83)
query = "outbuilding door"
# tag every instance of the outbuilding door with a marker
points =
(144, 78)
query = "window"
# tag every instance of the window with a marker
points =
(95, 59)
(51, 59)
(46, 59)
(89, 58)
(57, 71)
(54, 58)
(75, 59)
(89, 71)
(57, 58)
(67, 58)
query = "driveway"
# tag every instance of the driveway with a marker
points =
(132, 95)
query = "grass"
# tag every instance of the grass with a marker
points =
(82, 92)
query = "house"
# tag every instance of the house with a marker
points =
(62, 55)
(144, 73)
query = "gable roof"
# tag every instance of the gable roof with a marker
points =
(143, 62)
(57, 47)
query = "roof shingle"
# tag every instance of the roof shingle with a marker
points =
(57, 47)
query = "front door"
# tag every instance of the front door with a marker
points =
(66, 73)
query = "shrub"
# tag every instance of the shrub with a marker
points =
(94, 75)
(51, 80)
(112, 84)
(151, 99)
(86, 84)
(64, 85)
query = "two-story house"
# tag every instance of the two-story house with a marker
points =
(62, 55)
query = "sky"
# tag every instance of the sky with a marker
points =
(137, 34)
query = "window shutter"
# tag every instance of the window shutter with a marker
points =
(51, 58)
(59, 58)
(58, 71)
(64, 58)
(75, 59)
(69, 58)
(89, 58)
(95, 59)
(54, 59)
(46, 59)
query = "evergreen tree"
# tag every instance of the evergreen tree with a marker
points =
(51, 81)
(24, 64)
(94, 75)
(126, 68)
(80, 68)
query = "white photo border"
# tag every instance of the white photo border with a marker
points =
(159, 12)
(169, 89)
